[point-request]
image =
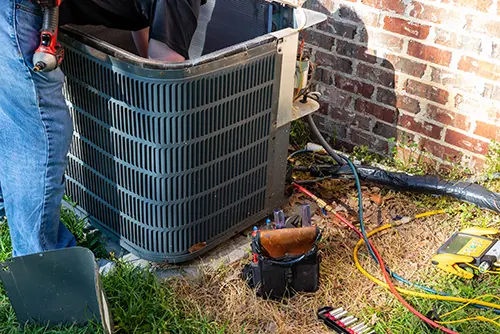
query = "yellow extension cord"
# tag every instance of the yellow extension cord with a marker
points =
(465, 301)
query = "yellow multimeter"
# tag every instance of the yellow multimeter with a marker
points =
(467, 250)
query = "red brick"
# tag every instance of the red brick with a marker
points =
(491, 92)
(385, 41)
(448, 117)
(344, 29)
(335, 27)
(429, 53)
(325, 6)
(426, 91)
(477, 163)
(329, 60)
(343, 145)
(354, 86)
(376, 75)
(452, 40)
(367, 139)
(386, 96)
(362, 122)
(480, 5)
(338, 106)
(439, 150)
(495, 49)
(323, 106)
(446, 16)
(408, 103)
(466, 142)
(385, 130)
(354, 51)
(466, 82)
(419, 126)
(404, 65)
(329, 128)
(324, 76)
(406, 28)
(382, 113)
(490, 28)
(482, 68)
(368, 18)
(395, 6)
(318, 38)
(487, 130)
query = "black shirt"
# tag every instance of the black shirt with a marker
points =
(172, 22)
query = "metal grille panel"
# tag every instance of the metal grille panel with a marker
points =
(165, 164)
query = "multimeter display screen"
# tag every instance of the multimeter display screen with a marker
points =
(467, 245)
(457, 244)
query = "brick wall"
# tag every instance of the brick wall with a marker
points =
(423, 72)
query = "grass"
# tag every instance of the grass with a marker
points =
(139, 302)
(218, 301)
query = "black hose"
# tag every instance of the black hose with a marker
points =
(323, 142)
(461, 190)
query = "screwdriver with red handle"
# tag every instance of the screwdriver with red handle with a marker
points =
(49, 54)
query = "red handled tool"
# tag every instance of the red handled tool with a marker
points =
(49, 54)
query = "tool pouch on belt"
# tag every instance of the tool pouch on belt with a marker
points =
(286, 261)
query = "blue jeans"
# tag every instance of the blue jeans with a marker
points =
(35, 134)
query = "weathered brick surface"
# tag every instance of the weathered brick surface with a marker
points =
(426, 91)
(487, 130)
(317, 38)
(383, 113)
(452, 39)
(405, 27)
(429, 53)
(354, 86)
(394, 6)
(466, 142)
(492, 92)
(385, 130)
(448, 117)
(480, 67)
(426, 71)
(324, 76)
(435, 14)
(387, 96)
(376, 75)
(420, 126)
(480, 5)
(329, 60)
(365, 138)
(356, 51)
(439, 150)
(408, 103)
(404, 65)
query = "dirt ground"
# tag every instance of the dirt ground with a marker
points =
(407, 249)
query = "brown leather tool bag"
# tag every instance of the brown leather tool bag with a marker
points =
(286, 261)
(286, 242)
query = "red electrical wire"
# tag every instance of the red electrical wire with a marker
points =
(382, 266)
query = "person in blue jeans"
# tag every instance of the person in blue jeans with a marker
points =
(35, 125)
